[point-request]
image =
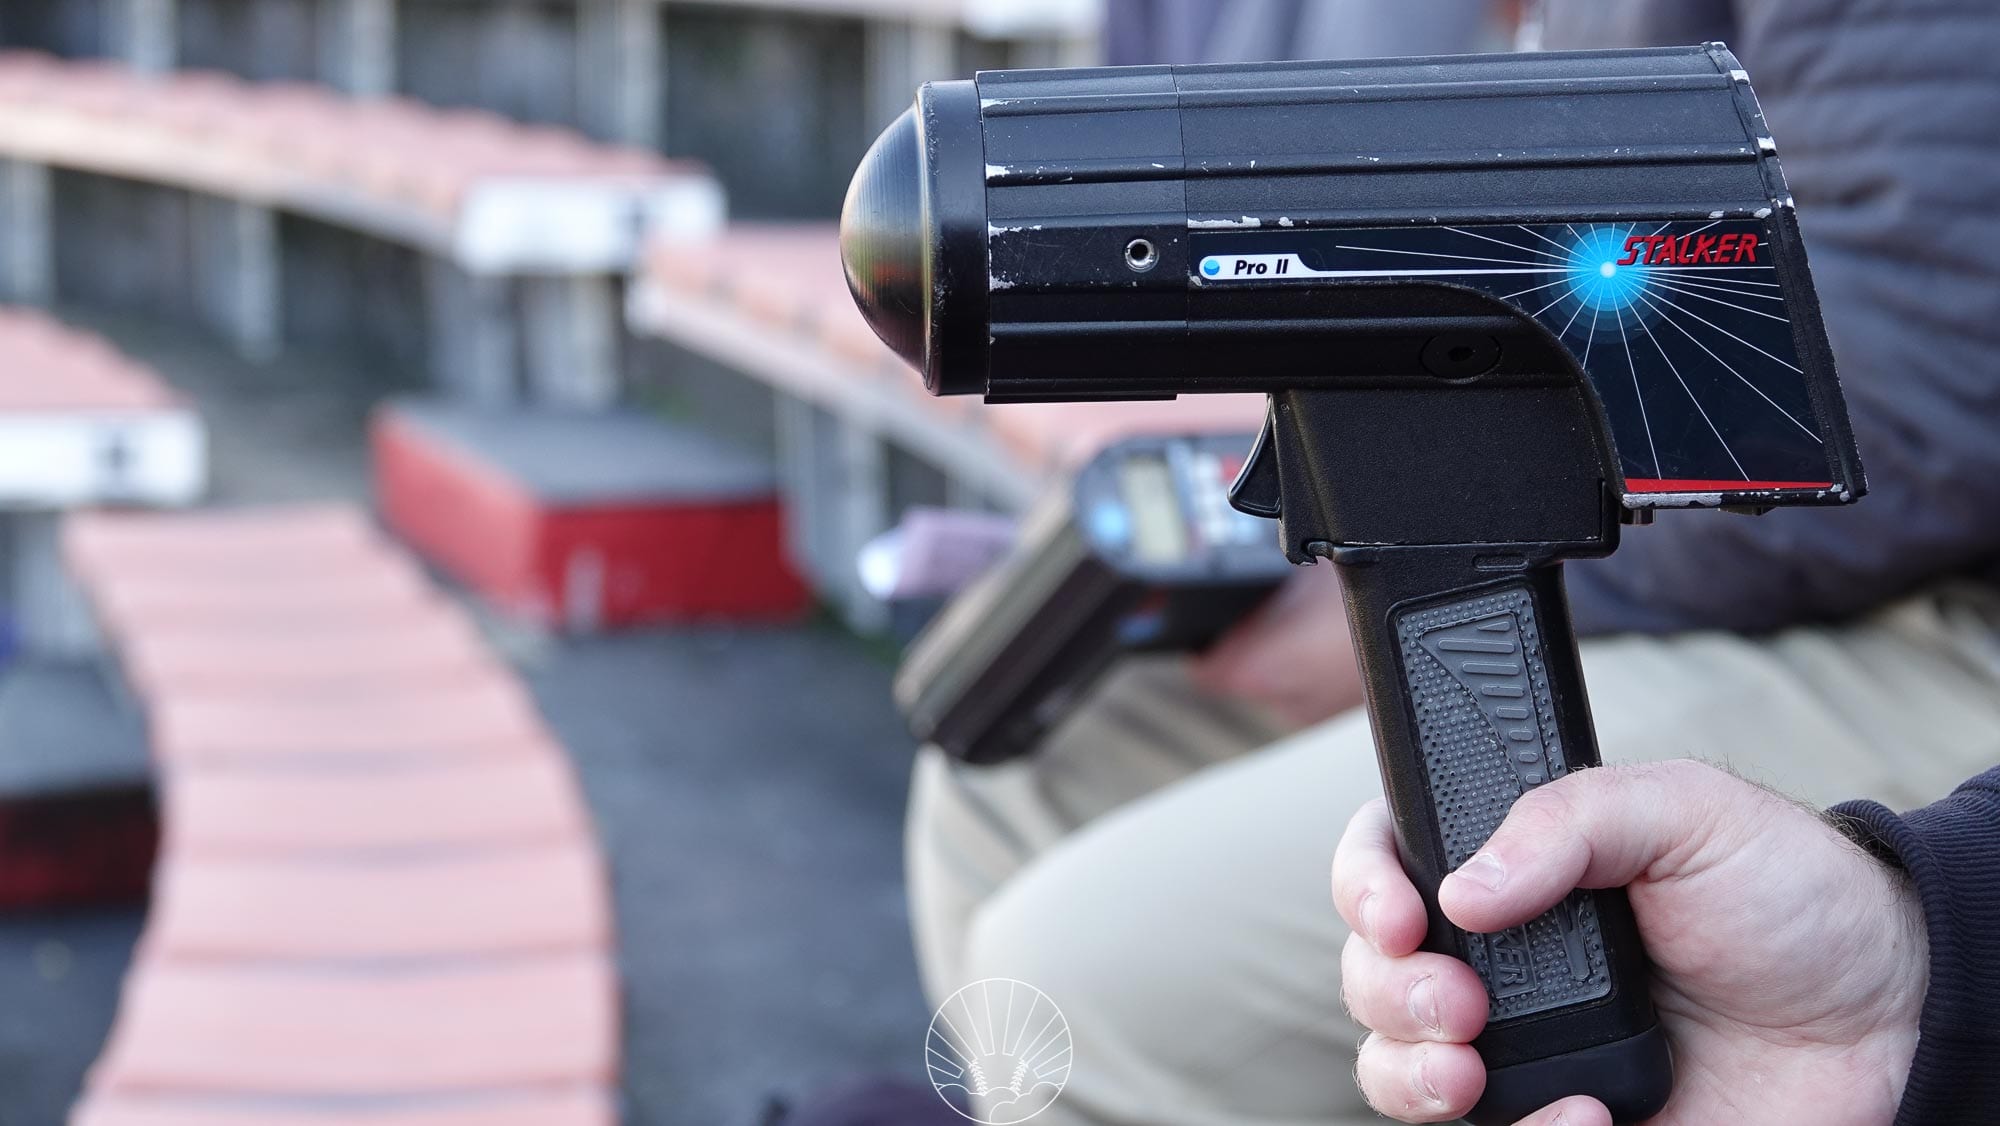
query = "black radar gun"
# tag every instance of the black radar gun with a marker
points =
(1502, 305)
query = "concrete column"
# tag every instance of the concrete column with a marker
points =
(27, 246)
(570, 326)
(357, 46)
(143, 34)
(799, 485)
(233, 250)
(473, 344)
(620, 59)
(864, 502)
(52, 615)
(833, 477)
(902, 55)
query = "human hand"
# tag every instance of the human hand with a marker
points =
(1292, 655)
(1789, 967)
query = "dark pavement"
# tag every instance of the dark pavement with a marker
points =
(749, 788)
(59, 978)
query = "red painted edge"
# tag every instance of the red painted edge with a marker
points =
(1689, 485)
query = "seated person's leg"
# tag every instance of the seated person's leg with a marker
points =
(970, 829)
(1188, 935)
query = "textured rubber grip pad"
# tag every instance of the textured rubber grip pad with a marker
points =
(1478, 682)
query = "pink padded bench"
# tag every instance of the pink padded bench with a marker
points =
(379, 901)
(489, 193)
(82, 423)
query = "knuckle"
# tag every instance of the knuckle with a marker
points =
(1544, 811)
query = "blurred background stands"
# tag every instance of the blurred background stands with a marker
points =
(460, 242)
(456, 190)
(780, 96)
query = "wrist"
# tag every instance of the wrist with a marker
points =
(1907, 954)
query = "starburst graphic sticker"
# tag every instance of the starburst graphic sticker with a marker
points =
(1682, 326)
(998, 1051)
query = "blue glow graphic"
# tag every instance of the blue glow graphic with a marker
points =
(1599, 281)
(1211, 266)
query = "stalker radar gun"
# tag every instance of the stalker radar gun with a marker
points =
(1501, 305)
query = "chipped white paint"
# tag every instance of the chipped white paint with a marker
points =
(993, 170)
(1676, 500)
(1766, 144)
(1715, 214)
(1285, 221)
(1763, 213)
(1246, 221)
(1739, 75)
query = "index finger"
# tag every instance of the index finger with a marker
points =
(1370, 889)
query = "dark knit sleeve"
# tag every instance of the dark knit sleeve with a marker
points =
(1885, 121)
(1952, 852)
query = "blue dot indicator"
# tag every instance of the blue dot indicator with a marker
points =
(1599, 274)
(1211, 266)
(1111, 525)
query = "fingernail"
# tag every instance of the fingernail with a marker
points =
(1424, 1086)
(1423, 1002)
(1485, 870)
(1368, 911)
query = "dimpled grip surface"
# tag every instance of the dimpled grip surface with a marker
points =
(1485, 719)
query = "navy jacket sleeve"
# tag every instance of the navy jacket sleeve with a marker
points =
(1884, 113)
(1952, 852)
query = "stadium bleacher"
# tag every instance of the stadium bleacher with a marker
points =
(379, 899)
(516, 222)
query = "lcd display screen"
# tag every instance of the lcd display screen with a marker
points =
(1159, 535)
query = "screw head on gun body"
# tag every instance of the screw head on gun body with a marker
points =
(1501, 305)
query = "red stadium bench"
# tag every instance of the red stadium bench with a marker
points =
(586, 520)
(378, 899)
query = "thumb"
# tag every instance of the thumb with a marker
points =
(1597, 828)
